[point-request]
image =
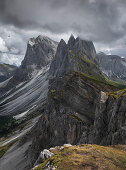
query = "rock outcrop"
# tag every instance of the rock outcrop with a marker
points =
(44, 155)
(109, 127)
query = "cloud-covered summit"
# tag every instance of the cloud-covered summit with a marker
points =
(3, 47)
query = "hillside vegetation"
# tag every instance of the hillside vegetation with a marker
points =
(87, 157)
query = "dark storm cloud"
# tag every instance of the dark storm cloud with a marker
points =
(102, 21)
(98, 20)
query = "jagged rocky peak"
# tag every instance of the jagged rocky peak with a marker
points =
(71, 41)
(60, 64)
(83, 46)
(31, 41)
(45, 39)
(40, 52)
(76, 55)
(62, 43)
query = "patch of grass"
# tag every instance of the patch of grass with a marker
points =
(7, 124)
(93, 75)
(117, 94)
(76, 117)
(85, 58)
(85, 63)
(113, 86)
(53, 94)
(9, 67)
(42, 166)
(119, 85)
(85, 157)
(4, 149)
(93, 64)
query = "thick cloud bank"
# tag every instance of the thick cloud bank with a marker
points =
(102, 21)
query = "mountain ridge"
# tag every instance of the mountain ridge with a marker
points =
(81, 105)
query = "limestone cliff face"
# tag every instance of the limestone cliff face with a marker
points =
(109, 126)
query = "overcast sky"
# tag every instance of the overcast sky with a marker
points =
(102, 21)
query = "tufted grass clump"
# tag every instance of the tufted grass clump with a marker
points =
(83, 157)
(4, 149)
(117, 94)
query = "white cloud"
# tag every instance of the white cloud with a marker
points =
(13, 42)
(3, 47)
(11, 59)
(16, 40)
(14, 50)
(92, 1)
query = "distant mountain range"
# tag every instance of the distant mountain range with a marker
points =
(113, 66)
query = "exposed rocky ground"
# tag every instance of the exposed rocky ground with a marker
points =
(77, 102)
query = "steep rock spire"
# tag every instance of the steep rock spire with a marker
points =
(58, 66)
(40, 52)
(71, 41)
(74, 56)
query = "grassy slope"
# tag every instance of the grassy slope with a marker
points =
(106, 85)
(94, 76)
(4, 149)
(88, 157)
(8, 67)
(111, 88)
(7, 124)
(117, 94)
